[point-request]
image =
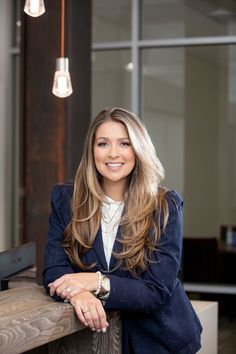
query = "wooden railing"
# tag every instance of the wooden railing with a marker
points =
(29, 319)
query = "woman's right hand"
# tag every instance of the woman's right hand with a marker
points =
(90, 311)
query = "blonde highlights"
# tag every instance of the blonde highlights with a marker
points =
(144, 204)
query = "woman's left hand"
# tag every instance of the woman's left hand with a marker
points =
(90, 311)
(71, 284)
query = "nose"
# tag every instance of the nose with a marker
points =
(113, 152)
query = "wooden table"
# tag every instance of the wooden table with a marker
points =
(29, 318)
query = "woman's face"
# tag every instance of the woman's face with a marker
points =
(113, 154)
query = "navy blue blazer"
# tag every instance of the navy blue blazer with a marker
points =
(157, 316)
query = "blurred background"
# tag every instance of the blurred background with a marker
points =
(173, 62)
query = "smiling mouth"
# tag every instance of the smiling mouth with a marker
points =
(114, 164)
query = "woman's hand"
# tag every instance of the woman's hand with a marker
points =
(69, 285)
(90, 311)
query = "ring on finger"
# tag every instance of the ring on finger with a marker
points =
(85, 309)
(68, 290)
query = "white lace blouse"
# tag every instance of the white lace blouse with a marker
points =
(111, 214)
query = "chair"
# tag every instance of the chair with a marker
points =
(200, 260)
(16, 260)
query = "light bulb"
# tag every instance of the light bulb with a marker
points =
(129, 66)
(34, 8)
(62, 83)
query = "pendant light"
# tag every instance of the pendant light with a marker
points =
(34, 8)
(62, 82)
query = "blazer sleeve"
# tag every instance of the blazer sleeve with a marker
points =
(56, 261)
(155, 286)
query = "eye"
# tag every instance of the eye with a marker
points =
(102, 144)
(125, 143)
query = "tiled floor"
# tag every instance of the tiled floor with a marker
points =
(227, 336)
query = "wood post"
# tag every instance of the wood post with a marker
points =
(54, 128)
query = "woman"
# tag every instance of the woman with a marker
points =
(114, 241)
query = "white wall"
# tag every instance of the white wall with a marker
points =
(5, 123)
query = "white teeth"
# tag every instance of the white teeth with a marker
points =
(114, 164)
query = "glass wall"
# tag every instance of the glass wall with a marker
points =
(174, 63)
(111, 79)
(190, 18)
(111, 20)
(189, 107)
(9, 123)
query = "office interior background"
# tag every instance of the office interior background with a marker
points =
(182, 84)
(173, 62)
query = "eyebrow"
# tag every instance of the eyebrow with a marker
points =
(106, 138)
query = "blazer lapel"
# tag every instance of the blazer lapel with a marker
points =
(98, 248)
(117, 247)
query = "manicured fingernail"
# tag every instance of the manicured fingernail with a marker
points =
(86, 324)
(98, 330)
(93, 329)
(104, 330)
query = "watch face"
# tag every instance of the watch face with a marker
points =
(106, 284)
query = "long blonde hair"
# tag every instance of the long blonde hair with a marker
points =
(144, 196)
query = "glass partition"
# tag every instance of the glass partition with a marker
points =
(111, 20)
(190, 18)
(189, 107)
(111, 79)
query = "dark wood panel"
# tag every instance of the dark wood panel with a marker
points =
(79, 110)
(54, 128)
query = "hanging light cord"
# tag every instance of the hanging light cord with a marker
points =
(62, 28)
